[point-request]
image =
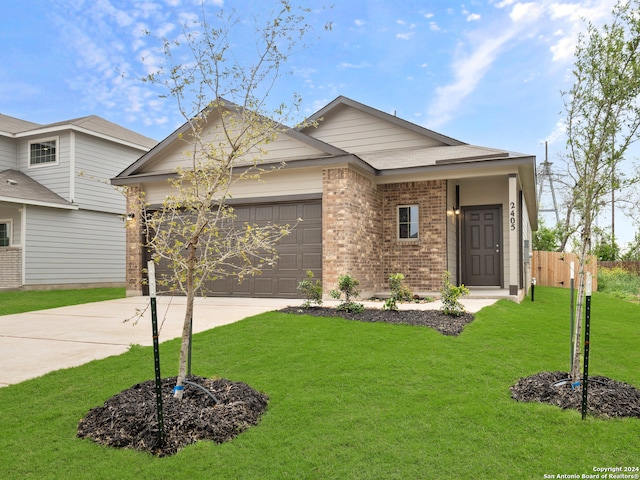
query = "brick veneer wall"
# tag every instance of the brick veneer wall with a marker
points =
(421, 261)
(351, 229)
(134, 242)
(11, 271)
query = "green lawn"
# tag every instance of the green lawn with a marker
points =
(30, 300)
(351, 400)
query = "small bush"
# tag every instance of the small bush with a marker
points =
(312, 290)
(399, 292)
(450, 295)
(347, 285)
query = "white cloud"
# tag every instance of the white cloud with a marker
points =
(559, 133)
(504, 3)
(428, 15)
(468, 71)
(359, 23)
(405, 36)
(434, 27)
(527, 12)
(362, 64)
(474, 17)
(563, 49)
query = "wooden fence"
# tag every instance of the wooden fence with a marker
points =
(553, 269)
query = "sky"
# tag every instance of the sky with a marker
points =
(486, 72)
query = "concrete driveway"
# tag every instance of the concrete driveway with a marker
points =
(35, 343)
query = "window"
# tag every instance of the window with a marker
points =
(5, 233)
(408, 222)
(43, 152)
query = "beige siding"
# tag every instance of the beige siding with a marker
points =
(274, 184)
(357, 132)
(452, 232)
(284, 149)
(490, 191)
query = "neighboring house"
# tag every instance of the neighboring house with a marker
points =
(378, 195)
(61, 223)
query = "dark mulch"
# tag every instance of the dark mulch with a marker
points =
(128, 419)
(605, 397)
(445, 324)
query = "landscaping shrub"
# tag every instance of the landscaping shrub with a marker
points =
(347, 285)
(312, 290)
(399, 291)
(450, 295)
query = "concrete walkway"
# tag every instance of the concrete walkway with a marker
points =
(35, 343)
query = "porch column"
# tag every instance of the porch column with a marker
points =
(514, 228)
(134, 255)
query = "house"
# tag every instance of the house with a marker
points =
(60, 221)
(378, 195)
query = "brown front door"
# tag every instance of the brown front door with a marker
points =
(482, 246)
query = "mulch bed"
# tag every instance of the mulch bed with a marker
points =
(128, 419)
(605, 397)
(445, 324)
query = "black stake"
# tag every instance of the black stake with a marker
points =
(587, 331)
(156, 351)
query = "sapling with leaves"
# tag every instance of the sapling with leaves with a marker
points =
(223, 98)
(603, 121)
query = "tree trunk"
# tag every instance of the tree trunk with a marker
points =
(577, 339)
(186, 328)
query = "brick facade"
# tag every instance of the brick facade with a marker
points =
(11, 271)
(421, 261)
(351, 229)
(360, 232)
(134, 242)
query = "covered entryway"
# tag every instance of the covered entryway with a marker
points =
(299, 251)
(482, 246)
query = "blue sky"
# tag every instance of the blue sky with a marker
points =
(485, 72)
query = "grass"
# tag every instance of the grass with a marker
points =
(619, 282)
(351, 400)
(30, 300)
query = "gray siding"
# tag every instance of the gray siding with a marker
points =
(99, 160)
(9, 211)
(8, 153)
(55, 177)
(65, 246)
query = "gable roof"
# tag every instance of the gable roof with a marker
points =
(342, 101)
(91, 125)
(9, 126)
(324, 149)
(16, 187)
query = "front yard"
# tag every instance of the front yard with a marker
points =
(354, 400)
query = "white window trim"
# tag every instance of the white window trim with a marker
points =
(409, 239)
(40, 140)
(9, 222)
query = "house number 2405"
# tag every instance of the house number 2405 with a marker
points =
(512, 215)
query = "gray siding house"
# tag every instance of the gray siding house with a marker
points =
(61, 222)
(377, 195)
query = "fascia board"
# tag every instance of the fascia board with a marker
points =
(36, 203)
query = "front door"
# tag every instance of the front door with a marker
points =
(482, 246)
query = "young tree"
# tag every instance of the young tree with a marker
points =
(603, 117)
(223, 97)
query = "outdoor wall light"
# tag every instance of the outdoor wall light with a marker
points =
(456, 210)
(130, 216)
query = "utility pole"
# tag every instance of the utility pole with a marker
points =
(546, 172)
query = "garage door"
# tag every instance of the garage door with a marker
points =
(298, 252)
